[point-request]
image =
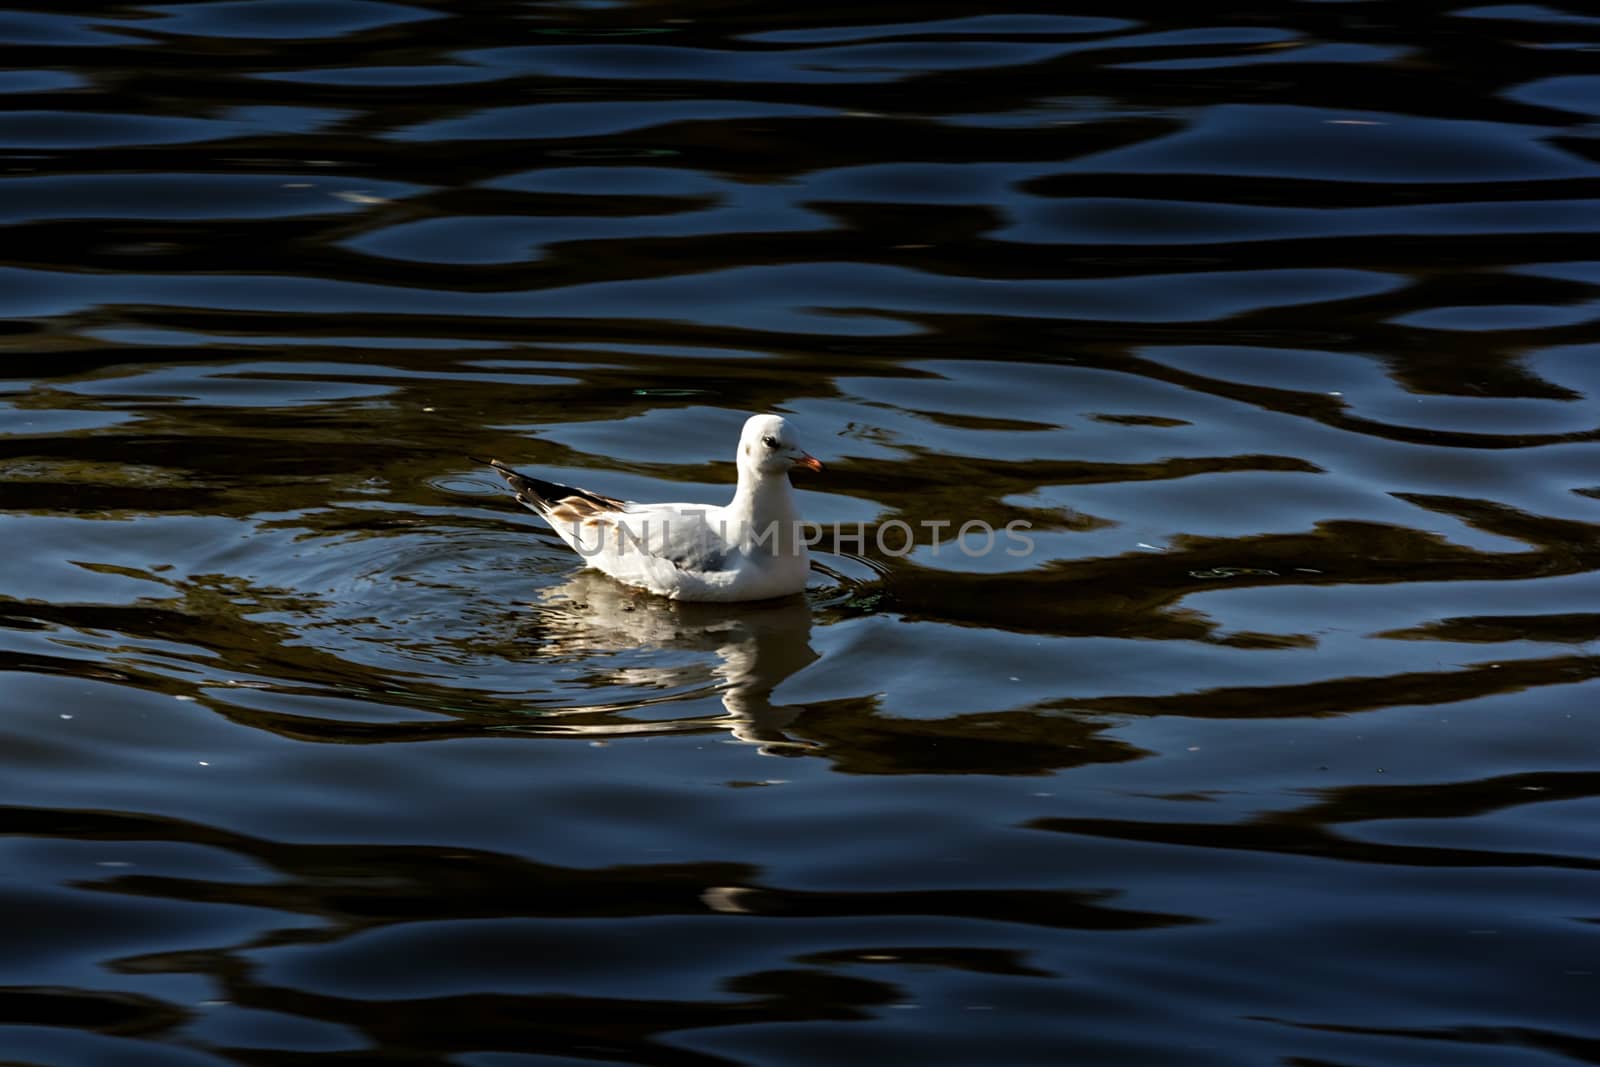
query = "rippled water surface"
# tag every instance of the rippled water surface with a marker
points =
(1276, 325)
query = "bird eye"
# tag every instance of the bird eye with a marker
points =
(770, 442)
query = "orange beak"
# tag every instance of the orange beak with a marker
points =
(809, 462)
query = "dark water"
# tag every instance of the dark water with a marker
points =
(1278, 325)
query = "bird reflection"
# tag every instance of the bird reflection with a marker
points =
(758, 645)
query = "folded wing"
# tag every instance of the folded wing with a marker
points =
(649, 544)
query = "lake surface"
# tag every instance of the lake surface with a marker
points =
(1274, 329)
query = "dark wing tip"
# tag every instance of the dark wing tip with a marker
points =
(539, 494)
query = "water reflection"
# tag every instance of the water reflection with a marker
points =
(498, 932)
(594, 620)
(1277, 324)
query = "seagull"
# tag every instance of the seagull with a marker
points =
(752, 549)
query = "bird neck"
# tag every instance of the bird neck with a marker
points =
(767, 500)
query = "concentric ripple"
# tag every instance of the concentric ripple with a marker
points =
(1198, 662)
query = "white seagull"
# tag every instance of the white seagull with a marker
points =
(752, 549)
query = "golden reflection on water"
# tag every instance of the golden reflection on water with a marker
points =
(1276, 326)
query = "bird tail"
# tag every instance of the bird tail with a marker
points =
(541, 496)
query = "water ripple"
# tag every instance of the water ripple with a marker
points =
(1268, 333)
